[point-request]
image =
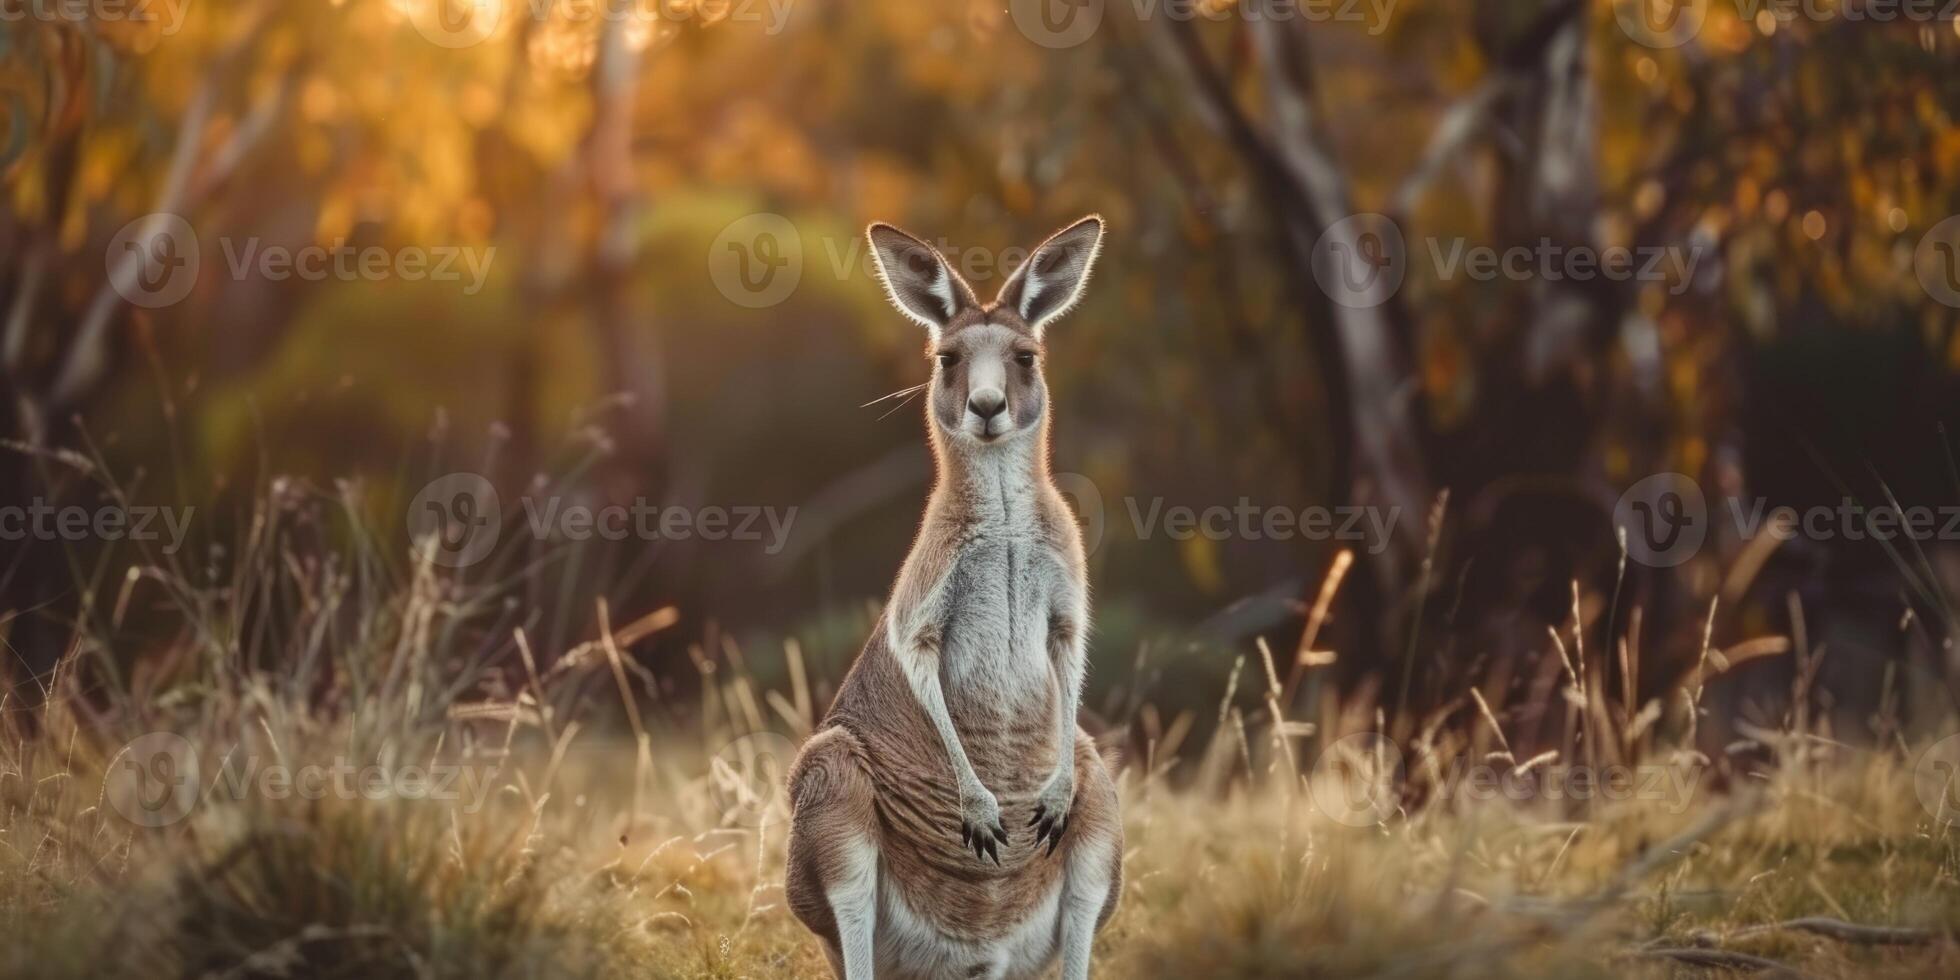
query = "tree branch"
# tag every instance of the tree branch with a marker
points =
(87, 356)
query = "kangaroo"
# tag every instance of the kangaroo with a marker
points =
(949, 818)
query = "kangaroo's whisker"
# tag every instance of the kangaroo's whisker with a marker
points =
(901, 404)
(915, 389)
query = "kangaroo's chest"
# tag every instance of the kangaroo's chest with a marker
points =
(997, 621)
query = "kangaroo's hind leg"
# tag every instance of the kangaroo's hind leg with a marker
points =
(832, 879)
(1092, 844)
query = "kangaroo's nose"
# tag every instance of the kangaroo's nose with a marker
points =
(986, 403)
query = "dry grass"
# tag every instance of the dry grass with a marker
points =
(598, 842)
(557, 874)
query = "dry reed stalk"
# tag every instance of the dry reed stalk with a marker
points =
(799, 684)
(1305, 655)
(1491, 719)
(1218, 749)
(1282, 747)
(537, 683)
(643, 762)
(1692, 693)
(1427, 568)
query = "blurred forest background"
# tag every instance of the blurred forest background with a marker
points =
(604, 156)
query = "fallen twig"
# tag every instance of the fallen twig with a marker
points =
(1849, 932)
(1721, 959)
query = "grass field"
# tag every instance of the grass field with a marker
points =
(553, 827)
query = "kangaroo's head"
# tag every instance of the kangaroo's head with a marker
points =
(986, 386)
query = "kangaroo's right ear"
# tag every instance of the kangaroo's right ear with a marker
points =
(918, 279)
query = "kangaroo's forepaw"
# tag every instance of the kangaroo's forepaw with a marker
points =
(1051, 810)
(980, 828)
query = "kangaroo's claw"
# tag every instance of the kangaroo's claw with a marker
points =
(984, 842)
(1051, 812)
(980, 827)
(1049, 827)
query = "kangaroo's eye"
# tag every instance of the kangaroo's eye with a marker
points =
(1025, 358)
(948, 360)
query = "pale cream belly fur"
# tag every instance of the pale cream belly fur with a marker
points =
(909, 946)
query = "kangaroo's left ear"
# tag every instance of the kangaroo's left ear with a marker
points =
(1051, 280)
